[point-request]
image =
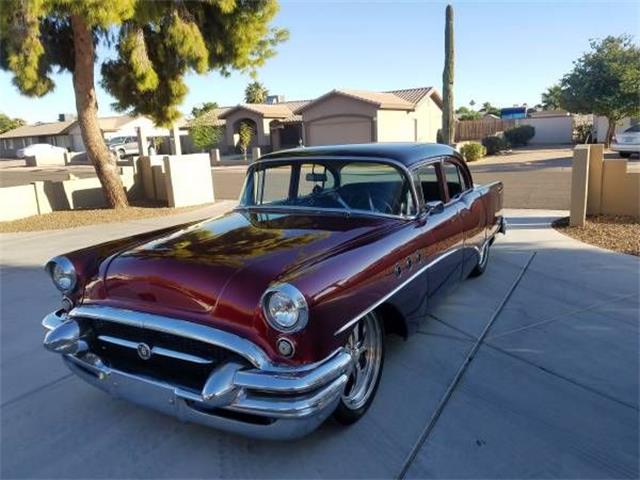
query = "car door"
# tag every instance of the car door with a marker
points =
(442, 236)
(472, 211)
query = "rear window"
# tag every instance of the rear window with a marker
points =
(633, 129)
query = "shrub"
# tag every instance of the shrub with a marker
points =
(494, 144)
(583, 133)
(473, 151)
(520, 135)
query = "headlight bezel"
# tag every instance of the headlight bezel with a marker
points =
(298, 300)
(68, 267)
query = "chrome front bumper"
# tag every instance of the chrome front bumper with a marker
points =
(257, 398)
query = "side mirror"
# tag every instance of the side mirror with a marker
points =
(435, 206)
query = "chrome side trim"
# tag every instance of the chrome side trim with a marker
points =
(358, 317)
(174, 326)
(164, 352)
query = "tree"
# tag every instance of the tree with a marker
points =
(203, 108)
(489, 109)
(154, 45)
(255, 93)
(7, 123)
(605, 81)
(448, 118)
(465, 113)
(245, 134)
(551, 98)
(203, 131)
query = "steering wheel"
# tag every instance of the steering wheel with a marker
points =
(377, 204)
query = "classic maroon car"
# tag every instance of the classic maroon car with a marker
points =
(270, 318)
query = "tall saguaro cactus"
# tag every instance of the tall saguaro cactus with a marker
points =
(448, 119)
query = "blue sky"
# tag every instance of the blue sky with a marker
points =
(506, 52)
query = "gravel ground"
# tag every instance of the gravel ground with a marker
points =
(618, 233)
(78, 218)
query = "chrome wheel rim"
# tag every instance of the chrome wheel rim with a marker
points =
(484, 254)
(365, 346)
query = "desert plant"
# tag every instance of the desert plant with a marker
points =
(520, 135)
(494, 144)
(245, 134)
(448, 118)
(473, 151)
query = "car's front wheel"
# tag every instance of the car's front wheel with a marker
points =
(624, 154)
(366, 345)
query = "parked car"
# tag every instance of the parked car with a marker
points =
(627, 142)
(270, 318)
(123, 146)
(39, 149)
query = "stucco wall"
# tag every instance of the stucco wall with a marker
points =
(600, 186)
(17, 202)
(550, 130)
(396, 126)
(188, 180)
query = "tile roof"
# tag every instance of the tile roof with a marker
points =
(38, 129)
(107, 124)
(413, 95)
(405, 99)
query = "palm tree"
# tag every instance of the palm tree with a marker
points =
(255, 93)
(551, 98)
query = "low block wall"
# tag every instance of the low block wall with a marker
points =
(45, 197)
(188, 180)
(602, 187)
(18, 202)
(50, 158)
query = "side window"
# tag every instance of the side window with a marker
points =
(455, 179)
(431, 188)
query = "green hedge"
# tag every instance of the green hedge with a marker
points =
(494, 144)
(520, 135)
(473, 151)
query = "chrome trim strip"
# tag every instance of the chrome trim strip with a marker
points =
(358, 317)
(355, 320)
(164, 352)
(298, 381)
(181, 328)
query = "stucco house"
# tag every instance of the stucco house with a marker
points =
(66, 132)
(339, 116)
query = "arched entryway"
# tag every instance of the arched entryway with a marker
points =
(237, 125)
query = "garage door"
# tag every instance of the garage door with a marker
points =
(339, 130)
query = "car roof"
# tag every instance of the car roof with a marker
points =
(405, 153)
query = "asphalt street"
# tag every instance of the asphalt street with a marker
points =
(529, 371)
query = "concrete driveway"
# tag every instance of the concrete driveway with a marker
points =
(529, 371)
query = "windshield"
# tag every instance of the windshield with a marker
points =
(370, 187)
(116, 140)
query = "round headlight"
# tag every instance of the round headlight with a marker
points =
(63, 274)
(285, 308)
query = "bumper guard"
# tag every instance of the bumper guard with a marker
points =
(264, 400)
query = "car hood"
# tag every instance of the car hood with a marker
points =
(189, 271)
